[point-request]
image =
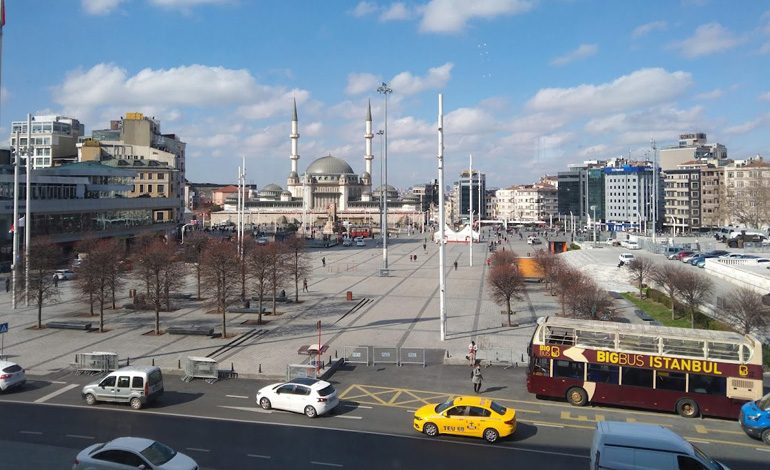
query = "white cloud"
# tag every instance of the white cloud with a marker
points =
(710, 95)
(407, 84)
(647, 28)
(748, 126)
(652, 119)
(450, 16)
(469, 121)
(186, 4)
(100, 7)
(765, 48)
(363, 9)
(362, 82)
(597, 151)
(272, 102)
(643, 87)
(708, 39)
(397, 11)
(583, 51)
(765, 96)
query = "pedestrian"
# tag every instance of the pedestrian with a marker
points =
(304, 286)
(7, 284)
(425, 247)
(415, 258)
(476, 378)
(472, 350)
(455, 265)
(55, 280)
(323, 261)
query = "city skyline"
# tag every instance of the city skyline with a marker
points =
(523, 100)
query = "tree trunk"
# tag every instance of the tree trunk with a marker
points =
(91, 302)
(39, 310)
(261, 294)
(508, 303)
(673, 305)
(198, 272)
(692, 318)
(224, 311)
(296, 275)
(157, 317)
(101, 314)
(112, 289)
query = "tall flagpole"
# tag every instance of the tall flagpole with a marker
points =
(441, 218)
(15, 267)
(27, 215)
(243, 202)
(470, 209)
(238, 214)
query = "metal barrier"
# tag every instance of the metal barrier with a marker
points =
(385, 356)
(411, 356)
(200, 368)
(296, 371)
(356, 354)
(496, 356)
(95, 362)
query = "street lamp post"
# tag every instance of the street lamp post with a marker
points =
(593, 208)
(385, 90)
(382, 157)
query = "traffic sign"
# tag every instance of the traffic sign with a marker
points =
(4, 327)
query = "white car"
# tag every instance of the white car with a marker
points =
(347, 242)
(313, 397)
(11, 375)
(360, 242)
(132, 452)
(625, 258)
(64, 274)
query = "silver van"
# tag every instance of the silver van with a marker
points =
(135, 385)
(629, 446)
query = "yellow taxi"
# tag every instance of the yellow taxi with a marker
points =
(466, 416)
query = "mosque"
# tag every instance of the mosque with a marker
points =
(329, 191)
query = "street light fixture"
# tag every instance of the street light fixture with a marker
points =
(385, 90)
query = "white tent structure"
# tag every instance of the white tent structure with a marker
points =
(450, 236)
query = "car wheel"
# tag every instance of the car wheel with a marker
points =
(136, 403)
(766, 436)
(265, 403)
(576, 396)
(310, 412)
(430, 429)
(687, 408)
(491, 435)
(90, 399)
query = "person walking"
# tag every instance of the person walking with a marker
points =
(323, 261)
(476, 378)
(55, 280)
(304, 285)
(7, 284)
(473, 349)
(455, 265)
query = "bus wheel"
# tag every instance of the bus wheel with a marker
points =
(576, 396)
(687, 408)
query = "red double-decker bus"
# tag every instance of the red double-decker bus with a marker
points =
(691, 372)
(364, 232)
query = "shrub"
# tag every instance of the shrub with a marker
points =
(574, 246)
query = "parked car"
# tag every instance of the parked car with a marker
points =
(64, 274)
(612, 242)
(360, 242)
(132, 452)
(135, 385)
(313, 397)
(688, 258)
(262, 241)
(700, 261)
(679, 256)
(11, 375)
(671, 251)
(533, 241)
(755, 418)
(625, 258)
(347, 242)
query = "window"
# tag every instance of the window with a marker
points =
(288, 388)
(708, 384)
(108, 381)
(141, 188)
(540, 366)
(300, 390)
(121, 457)
(457, 411)
(123, 382)
(161, 176)
(159, 216)
(670, 381)
(602, 373)
(479, 412)
(137, 382)
(573, 370)
(161, 188)
(637, 377)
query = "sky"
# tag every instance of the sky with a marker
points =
(529, 86)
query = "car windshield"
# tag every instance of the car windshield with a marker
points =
(443, 406)
(13, 368)
(158, 453)
(328, 390)
(498, 408)
(710, 463)
(764, 403)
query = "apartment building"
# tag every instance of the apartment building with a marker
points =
(747, 193)
(53, 140)
(693, 146)
(628, 190)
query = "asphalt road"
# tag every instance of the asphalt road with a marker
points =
(220, 425)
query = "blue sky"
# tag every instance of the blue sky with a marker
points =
(529, 86)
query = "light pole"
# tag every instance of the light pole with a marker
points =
(382, 157)
(385, 90)
(593, 208)
(441, 220)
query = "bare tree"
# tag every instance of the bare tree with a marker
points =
(694, 288)
(100, 266)
(640, 269)
(85, 279)
(194, 245)
(499, 258)
(548, 264)
(566, 280)
(154, 264)
(277, 255)
(505, 282)
(219, 268)
(589, 300)
(43, 258)
(667, 277)
(749, 205)
(299, 265)
(744, 308)
(259, 267)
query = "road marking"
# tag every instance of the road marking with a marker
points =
(566, 415)
(56, 393)
(195, 449)
(701, 429)
(247, 408)
(237, 396)
(257, 456)
(717, 441)
(356, 405)
(548, 425)
(35, 433)
(79, 436)
(763, 450)
(348, 417)
(54, 381)
(326, 464)
(698, 440)
(633, 420)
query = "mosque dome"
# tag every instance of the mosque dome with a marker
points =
(329, 165)
(390, 191)
(272, 187)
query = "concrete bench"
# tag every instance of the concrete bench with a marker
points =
(190, 330)
(69, 325)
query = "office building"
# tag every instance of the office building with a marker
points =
(54, 140)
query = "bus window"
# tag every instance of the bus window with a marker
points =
(670, 381)
(637, 377)
(603, 373)
(572, 370)
(540, 366)
(708, 384)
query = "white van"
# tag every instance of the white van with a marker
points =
(630, 446)
(135, 385)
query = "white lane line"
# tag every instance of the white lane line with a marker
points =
(236, 396)
(348, 417)
(247, 408)
(257, 456)
(195, 449)
(410, 411)
(549, 425)
(56, 393)
(354, 405)
(36, 433)
(79, 436)
(57, 382)
(761, 449)
(326, 464)
(699, 441)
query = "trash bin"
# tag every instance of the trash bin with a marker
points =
(350, 295)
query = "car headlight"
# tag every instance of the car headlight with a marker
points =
(753, 418)
(417, 418)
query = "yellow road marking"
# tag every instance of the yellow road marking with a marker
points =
(699, 428)
(567, 416)
(704, 430)
(716, 441)
(633, 420)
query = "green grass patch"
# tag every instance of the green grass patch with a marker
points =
(766, 355)
(574, 246)
(662, 313)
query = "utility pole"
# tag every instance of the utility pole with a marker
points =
(441, 218)
(470, 209)
(15, 265)
(654, 191)
(27, 213)
(385, 90)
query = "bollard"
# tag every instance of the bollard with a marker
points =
(232, 367)
(447, 353)
(335, 354)
(153, 362)
(330, 359)
(260, 368)
(128, 361)
(178, 363)
(522, 357)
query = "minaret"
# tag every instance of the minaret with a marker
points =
(368, 136)
(294, 139)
